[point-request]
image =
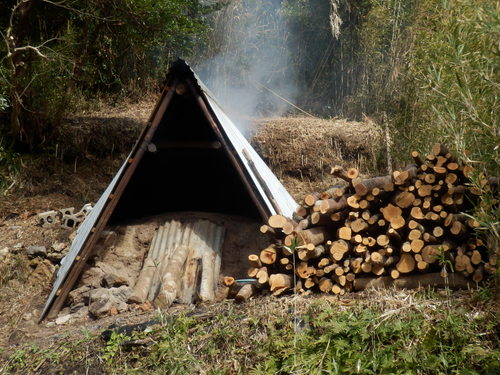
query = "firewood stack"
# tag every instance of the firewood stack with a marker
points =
(399, 226)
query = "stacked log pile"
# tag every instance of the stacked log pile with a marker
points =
(407, 229)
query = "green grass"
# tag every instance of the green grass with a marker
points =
(418, 335)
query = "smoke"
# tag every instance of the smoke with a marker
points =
(251, 61)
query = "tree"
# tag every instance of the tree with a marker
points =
(54, 48)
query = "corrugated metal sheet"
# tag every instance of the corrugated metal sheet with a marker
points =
(284, 200)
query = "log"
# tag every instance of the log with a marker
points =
(406, 263)
(337, 289)
(478, 274)
(430, 253)
(358, 225)
(330, 206)
(211, 261)
(425, 190)
(475, 257)
(378, 269)
(315, 236)
(252, 271)
(323, 262)
(246, 291)
(416, 213)
(303, 270)
(414, 234)
(404, 199)
(254, 260)
(391, 212)
(395, 274)
(289, 227)
(229, 280)
(364, 187)
(353, 201)
(439, 150)
(309, 283)
(268, 255)
(316, 252)
(453, 281)
(325, 284)
(383, 240)
(277, 221)
(266, 229)
(338, 249)
(280, 281)
(394, 236)
(301, 211)
(417, 245)
(416, 158)
(422, 266)
(191, 277)
(405, 177)
(398, 222)
(141, 288)
(262, 275)
(458, 228)
(344, 233)
(172, 276)
(341, 173)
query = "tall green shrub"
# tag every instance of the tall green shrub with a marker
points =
(455, 65)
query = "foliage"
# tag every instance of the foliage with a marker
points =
(455, 65)
(58, 50)
(425, 337)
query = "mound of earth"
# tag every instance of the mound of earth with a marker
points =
(301, 150)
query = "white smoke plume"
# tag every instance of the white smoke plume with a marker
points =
(252, 61)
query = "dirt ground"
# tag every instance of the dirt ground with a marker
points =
(71, 180)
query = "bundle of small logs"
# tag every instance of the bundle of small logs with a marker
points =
(407, 229)
(183, 264)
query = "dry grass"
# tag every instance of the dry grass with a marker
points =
(301, 150)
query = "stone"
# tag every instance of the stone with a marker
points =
(58, 247)
(4, 252)
(103, 300)
(28, 316)
(18, 246)
(113, 280)
(55, 257)
(118, 272)
(122, 293)
(35, 251)
(63, 319)
(43, 271)
(80, 295)
(146, 306)
(92, 277)
(76, 308)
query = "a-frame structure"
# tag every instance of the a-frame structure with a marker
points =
(189, 157)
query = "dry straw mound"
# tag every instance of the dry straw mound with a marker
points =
(301, 150)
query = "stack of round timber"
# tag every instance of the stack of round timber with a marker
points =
(407, 229)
